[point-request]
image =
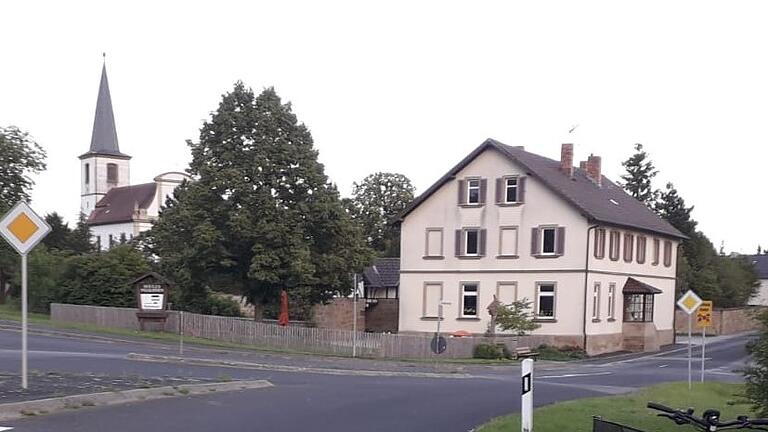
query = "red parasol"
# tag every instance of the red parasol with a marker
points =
(283, 318)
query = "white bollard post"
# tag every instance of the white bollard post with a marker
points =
(526, 405)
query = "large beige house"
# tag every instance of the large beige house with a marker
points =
(598, 266)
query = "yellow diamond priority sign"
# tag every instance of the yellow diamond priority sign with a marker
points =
(23, 228)
(689, 302)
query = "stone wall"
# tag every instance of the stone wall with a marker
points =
(382, 316)
(338, 314)
(724, 321)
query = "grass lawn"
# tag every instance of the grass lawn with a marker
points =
(630, 409)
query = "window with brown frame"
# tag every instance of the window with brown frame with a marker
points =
(615, 245)
(641, 249)
(638, 308)
(667, 253)
(629, 247)
(600, 243)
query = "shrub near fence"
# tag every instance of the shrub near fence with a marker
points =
(270, 336)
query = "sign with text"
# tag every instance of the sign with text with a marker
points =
(704, 315)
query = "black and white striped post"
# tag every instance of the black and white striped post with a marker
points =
(526, 405)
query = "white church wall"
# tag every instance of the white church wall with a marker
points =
(102, 233)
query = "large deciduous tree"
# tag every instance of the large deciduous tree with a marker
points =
(20, 158)
(260, 214)
(376, 202)
(637, 180)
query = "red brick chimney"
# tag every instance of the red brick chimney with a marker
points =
(566, 159)
(593, 169)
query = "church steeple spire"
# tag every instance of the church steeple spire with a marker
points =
(104, 136)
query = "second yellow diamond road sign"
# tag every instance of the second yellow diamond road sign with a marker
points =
(23, 228)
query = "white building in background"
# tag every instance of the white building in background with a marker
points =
(116, 210)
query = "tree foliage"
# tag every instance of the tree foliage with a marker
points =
(62, 238)
(261, 214)
(47, 269)
(103, 278)
(757, 373)
(639, 175)
(20, 158)
(516, 317)
(376, 202)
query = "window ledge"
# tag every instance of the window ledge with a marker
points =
(468, 319)
(433, 257)
(545, 256)
(611, 319)
(596, 320)
(544, 320)
(468, 205)
(507, 256)
(511, 204)
(470, 257)
(427, 318)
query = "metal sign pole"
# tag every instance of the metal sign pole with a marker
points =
(181, 333)
(354, 315)
(24, 321)
(526, 402)
(689, 351)
(703, 348)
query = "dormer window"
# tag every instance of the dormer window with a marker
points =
(112, 174)
(473, 191)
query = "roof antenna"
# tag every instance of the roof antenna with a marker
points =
(573, 128)
(104, 55)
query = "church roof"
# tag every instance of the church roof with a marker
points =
(104, 136)
(119, 205)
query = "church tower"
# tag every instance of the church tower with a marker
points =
(103, 167)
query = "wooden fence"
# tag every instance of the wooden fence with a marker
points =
(273, 337)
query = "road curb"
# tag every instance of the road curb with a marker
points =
(17, 410)
(287, 368)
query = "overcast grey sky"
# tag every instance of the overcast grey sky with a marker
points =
(411, 87)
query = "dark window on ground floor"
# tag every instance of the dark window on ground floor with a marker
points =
(638, 307)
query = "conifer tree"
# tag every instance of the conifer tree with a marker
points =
(640, 172)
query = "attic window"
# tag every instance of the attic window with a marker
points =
(613, 201)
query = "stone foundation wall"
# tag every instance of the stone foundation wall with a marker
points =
(338, 314)
(640, 337)
(383, 316)
(604, 343)
(724, 321)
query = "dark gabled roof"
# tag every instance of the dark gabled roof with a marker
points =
(634, 286)
(104, 135)
(120, 204)
(761, 265)
(385, 272)
(593, 201)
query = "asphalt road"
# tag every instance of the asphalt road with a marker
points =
(342, 401)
